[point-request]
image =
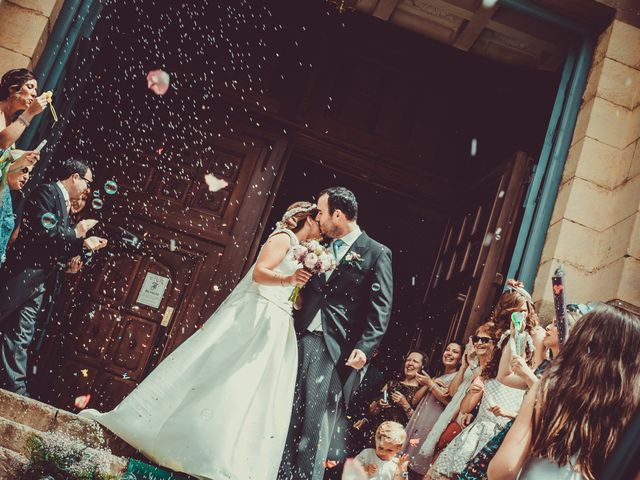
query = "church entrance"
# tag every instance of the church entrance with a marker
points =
(281, 99)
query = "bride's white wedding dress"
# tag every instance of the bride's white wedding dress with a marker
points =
(219, 406)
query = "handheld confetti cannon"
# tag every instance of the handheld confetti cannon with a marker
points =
(519, 337)
(559, 303)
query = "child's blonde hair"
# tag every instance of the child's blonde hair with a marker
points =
(391, 432)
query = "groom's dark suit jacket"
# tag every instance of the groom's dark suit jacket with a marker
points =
(355, 303)
(32, 261)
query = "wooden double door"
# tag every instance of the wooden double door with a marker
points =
(130, 307)
(474, 255)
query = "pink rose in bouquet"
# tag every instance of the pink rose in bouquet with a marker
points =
(313, 257)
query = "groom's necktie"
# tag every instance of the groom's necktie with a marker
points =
(337, 244)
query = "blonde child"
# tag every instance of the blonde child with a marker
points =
(381, 463)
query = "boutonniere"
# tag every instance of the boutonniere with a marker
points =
(353, 259)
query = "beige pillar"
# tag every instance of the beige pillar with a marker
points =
(25, 26)
(595, 227)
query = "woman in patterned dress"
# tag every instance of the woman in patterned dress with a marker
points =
(515, 373)
(498, 404)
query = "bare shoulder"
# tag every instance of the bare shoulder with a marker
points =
(278, 240)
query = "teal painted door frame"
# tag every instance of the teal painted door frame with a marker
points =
(545, 183)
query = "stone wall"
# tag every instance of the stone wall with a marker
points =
(24, 30)
(595, 227)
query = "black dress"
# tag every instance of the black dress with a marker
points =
(394, 412)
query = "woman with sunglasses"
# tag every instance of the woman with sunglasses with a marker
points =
(517, 374)
(497, 405)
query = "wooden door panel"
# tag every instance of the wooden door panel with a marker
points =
(131, 347)
(94, 332)
(473, 249)
(117, 274)
(108, 390)
(133, 307)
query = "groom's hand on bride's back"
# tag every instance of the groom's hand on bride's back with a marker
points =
(357, 359)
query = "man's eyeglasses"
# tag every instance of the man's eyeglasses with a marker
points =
(477, 339)
(89, 182)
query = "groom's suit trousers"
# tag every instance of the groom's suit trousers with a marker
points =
(317, 406)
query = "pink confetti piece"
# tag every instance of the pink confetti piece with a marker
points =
(158, 81)
(330, 463)
(214, 183)
(82, 401)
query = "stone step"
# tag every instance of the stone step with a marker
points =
(10, 462)
(14, 437)
(46, 418)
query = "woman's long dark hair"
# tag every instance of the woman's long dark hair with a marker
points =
(590, 393)
(13, 80)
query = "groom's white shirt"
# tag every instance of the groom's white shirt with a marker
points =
(349, 239)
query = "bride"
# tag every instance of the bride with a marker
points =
(219, 406)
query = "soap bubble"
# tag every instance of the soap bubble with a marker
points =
(206, 414)
(110, 187)
(375, 287)
(97, 203)
(49, 220)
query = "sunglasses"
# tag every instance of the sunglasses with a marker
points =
(477, 339)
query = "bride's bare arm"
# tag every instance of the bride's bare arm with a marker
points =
(272, 254)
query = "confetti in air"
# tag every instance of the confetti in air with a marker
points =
(158, 81)
(82, 401)
(214, 183)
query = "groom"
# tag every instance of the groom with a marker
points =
(344, 316)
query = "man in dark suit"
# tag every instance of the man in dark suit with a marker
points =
(344, 316)
(45, 245)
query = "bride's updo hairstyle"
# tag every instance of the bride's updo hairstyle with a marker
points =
(293, 219)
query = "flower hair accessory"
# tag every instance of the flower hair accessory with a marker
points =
(294, 211)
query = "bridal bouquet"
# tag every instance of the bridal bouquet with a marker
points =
(313, 257)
